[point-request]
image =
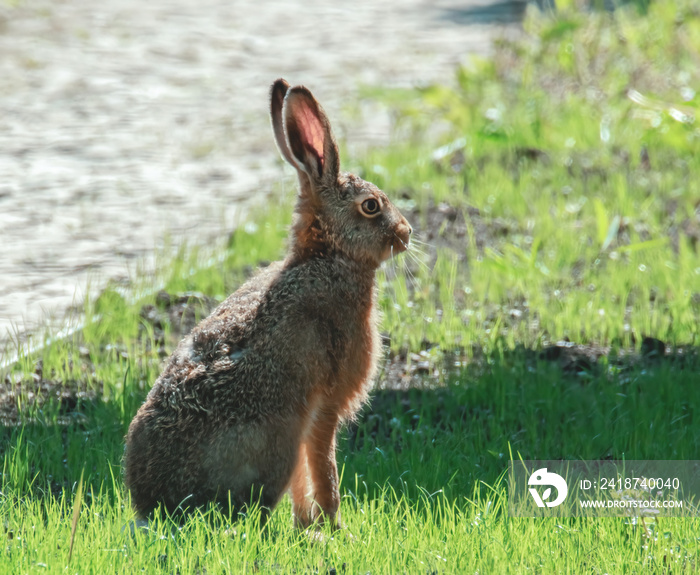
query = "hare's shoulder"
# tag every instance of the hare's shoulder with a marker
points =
(218, 342)
(242, 305)
(221, 332)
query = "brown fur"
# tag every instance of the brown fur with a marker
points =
(249, 403)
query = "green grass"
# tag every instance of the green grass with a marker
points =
(575, 204)
(386, 534)
(422, 486)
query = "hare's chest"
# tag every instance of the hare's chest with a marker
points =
(363, 350)
(355, 372)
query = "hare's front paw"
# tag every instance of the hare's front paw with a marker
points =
(305, 518)
(302, 518)
(329, 516)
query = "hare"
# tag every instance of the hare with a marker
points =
(249, 403)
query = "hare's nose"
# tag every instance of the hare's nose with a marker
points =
(406, 226)
(403, 233)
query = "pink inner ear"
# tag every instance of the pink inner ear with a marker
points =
(311, 130)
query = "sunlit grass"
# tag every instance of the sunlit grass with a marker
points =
(385, 532)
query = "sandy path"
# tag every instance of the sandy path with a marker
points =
(123, 122)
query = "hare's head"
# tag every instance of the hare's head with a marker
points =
(337, 212)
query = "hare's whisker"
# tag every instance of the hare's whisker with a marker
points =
(415, 283)
(418, 256)
(416, 239)
(395, 274)
(419, 260)
(392, 262)
(420, 246)
(419, 251)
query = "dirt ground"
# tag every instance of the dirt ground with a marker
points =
(123, 123)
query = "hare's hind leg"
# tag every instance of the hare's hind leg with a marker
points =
(252, 463)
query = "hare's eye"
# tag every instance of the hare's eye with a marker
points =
(370, 207)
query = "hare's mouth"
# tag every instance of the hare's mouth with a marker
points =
(399, 243)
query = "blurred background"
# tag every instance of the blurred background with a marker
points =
(127, 125)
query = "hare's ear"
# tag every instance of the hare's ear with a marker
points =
(277, 93)
(309, 136)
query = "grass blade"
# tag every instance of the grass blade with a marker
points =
(77, 504)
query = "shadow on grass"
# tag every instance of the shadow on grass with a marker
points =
(550, 404)
(563, 402)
